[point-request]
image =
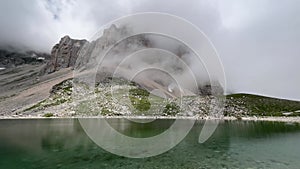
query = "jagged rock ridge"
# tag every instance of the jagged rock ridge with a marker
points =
(82, 55)
(64, 54)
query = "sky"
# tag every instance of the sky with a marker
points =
(258, 41)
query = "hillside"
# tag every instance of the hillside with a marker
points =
(60, 103)
(37, 84)
(256, 105)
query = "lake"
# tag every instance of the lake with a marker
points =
(62, 143)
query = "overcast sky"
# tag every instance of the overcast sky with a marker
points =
(258, 40)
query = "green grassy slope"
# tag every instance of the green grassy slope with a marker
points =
(138, 101)
(263, 106)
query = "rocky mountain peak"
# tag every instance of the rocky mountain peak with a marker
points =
(64, 54)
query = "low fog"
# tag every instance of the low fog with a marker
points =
(257, 41)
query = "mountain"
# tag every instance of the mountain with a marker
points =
(83, 55)
(64, 54)
(11, 58)
(36, 83)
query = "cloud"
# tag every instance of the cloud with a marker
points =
(258, 40)
(258, 45)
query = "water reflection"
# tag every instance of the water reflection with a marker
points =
(62, 143)
(140, 130)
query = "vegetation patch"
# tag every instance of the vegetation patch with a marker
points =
(60, 93)
(48, 115)
(38, 105)
(139, 99)
(263, 106)
(106, 112)
(171, 109)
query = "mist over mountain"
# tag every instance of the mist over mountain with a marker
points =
(10, 58)
(257, 41)
(37, 83)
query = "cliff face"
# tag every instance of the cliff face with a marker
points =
(111, 49)
(64, 54)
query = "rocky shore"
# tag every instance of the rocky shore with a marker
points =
(253, 118)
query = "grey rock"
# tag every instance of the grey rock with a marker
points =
(64, 54)
(82, 56)
(13, 58)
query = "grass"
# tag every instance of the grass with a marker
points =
(139, 99)
(140, 102)
(47, 103)
(89, 107)
(60, 93)
(48, 115)
(64, 86)
(171, 109)
(262, 105)
(105, 111)
(39, 104)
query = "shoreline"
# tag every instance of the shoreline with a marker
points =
(295, 119)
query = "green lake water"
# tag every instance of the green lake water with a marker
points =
(62, 143)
